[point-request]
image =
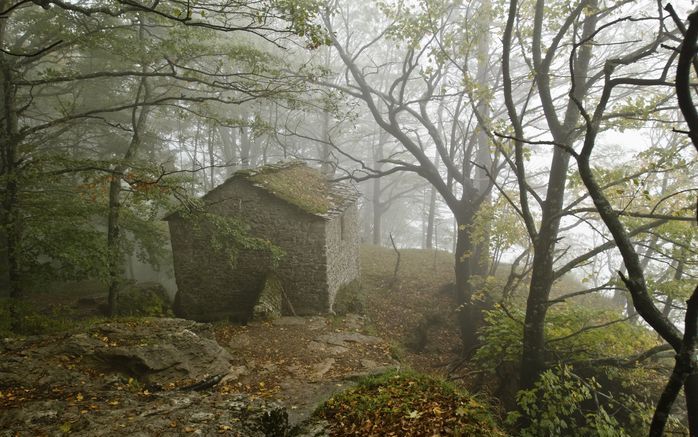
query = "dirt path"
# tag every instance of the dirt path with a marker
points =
(300, 362)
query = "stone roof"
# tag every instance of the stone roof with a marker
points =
(304, 187)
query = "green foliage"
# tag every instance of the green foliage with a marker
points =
(300, 15)
(63, 213)
(567, 332)
(227, 235)
(349, 299)
(498, 222)
(23, 318)
(587, 399)
(564, 403)
(558, 405)
(412, 21)
(407, 404)
(634, 112)
(58, 234)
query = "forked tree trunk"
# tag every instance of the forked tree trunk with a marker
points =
(533, 353)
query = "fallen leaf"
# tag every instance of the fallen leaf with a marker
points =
(414, 415)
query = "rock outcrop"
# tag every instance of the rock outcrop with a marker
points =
(126, 378)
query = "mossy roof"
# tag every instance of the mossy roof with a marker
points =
(296, 183)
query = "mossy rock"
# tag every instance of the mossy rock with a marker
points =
(418, 339)
(269, 303)
(349, 299)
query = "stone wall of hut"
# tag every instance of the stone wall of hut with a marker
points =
(207, 280)
(342, 250)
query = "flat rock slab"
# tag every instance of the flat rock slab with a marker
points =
(289, 321)
(325, 348)
(321, 368)
(354, 321)
(345, 339)
(161, 351)
(313, 323)
(317, 323)
(152, 351)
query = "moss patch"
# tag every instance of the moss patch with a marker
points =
(297, 184)
(407, 404)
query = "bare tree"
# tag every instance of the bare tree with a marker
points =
(404, 109)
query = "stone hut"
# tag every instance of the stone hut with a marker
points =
(313, 221)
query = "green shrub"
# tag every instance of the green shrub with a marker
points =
(563, 403)
(586, 398)
(349, 299)
(567, 333)
(144, 300)
(22, 318)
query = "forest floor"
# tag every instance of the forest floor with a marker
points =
(408, 323)
(300, 362)
(416, 310)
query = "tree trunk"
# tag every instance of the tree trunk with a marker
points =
(9, 142)
(244, 147)
(228, 138)
(211, 156)
(533, 358)
(533, 354)
(377, 206)
(429, 241)
(431, 215)
(326, 164)
(684, 374)
(483, 156)
(377, 214)
(467, 314)
(114, 250)
(678, 274)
